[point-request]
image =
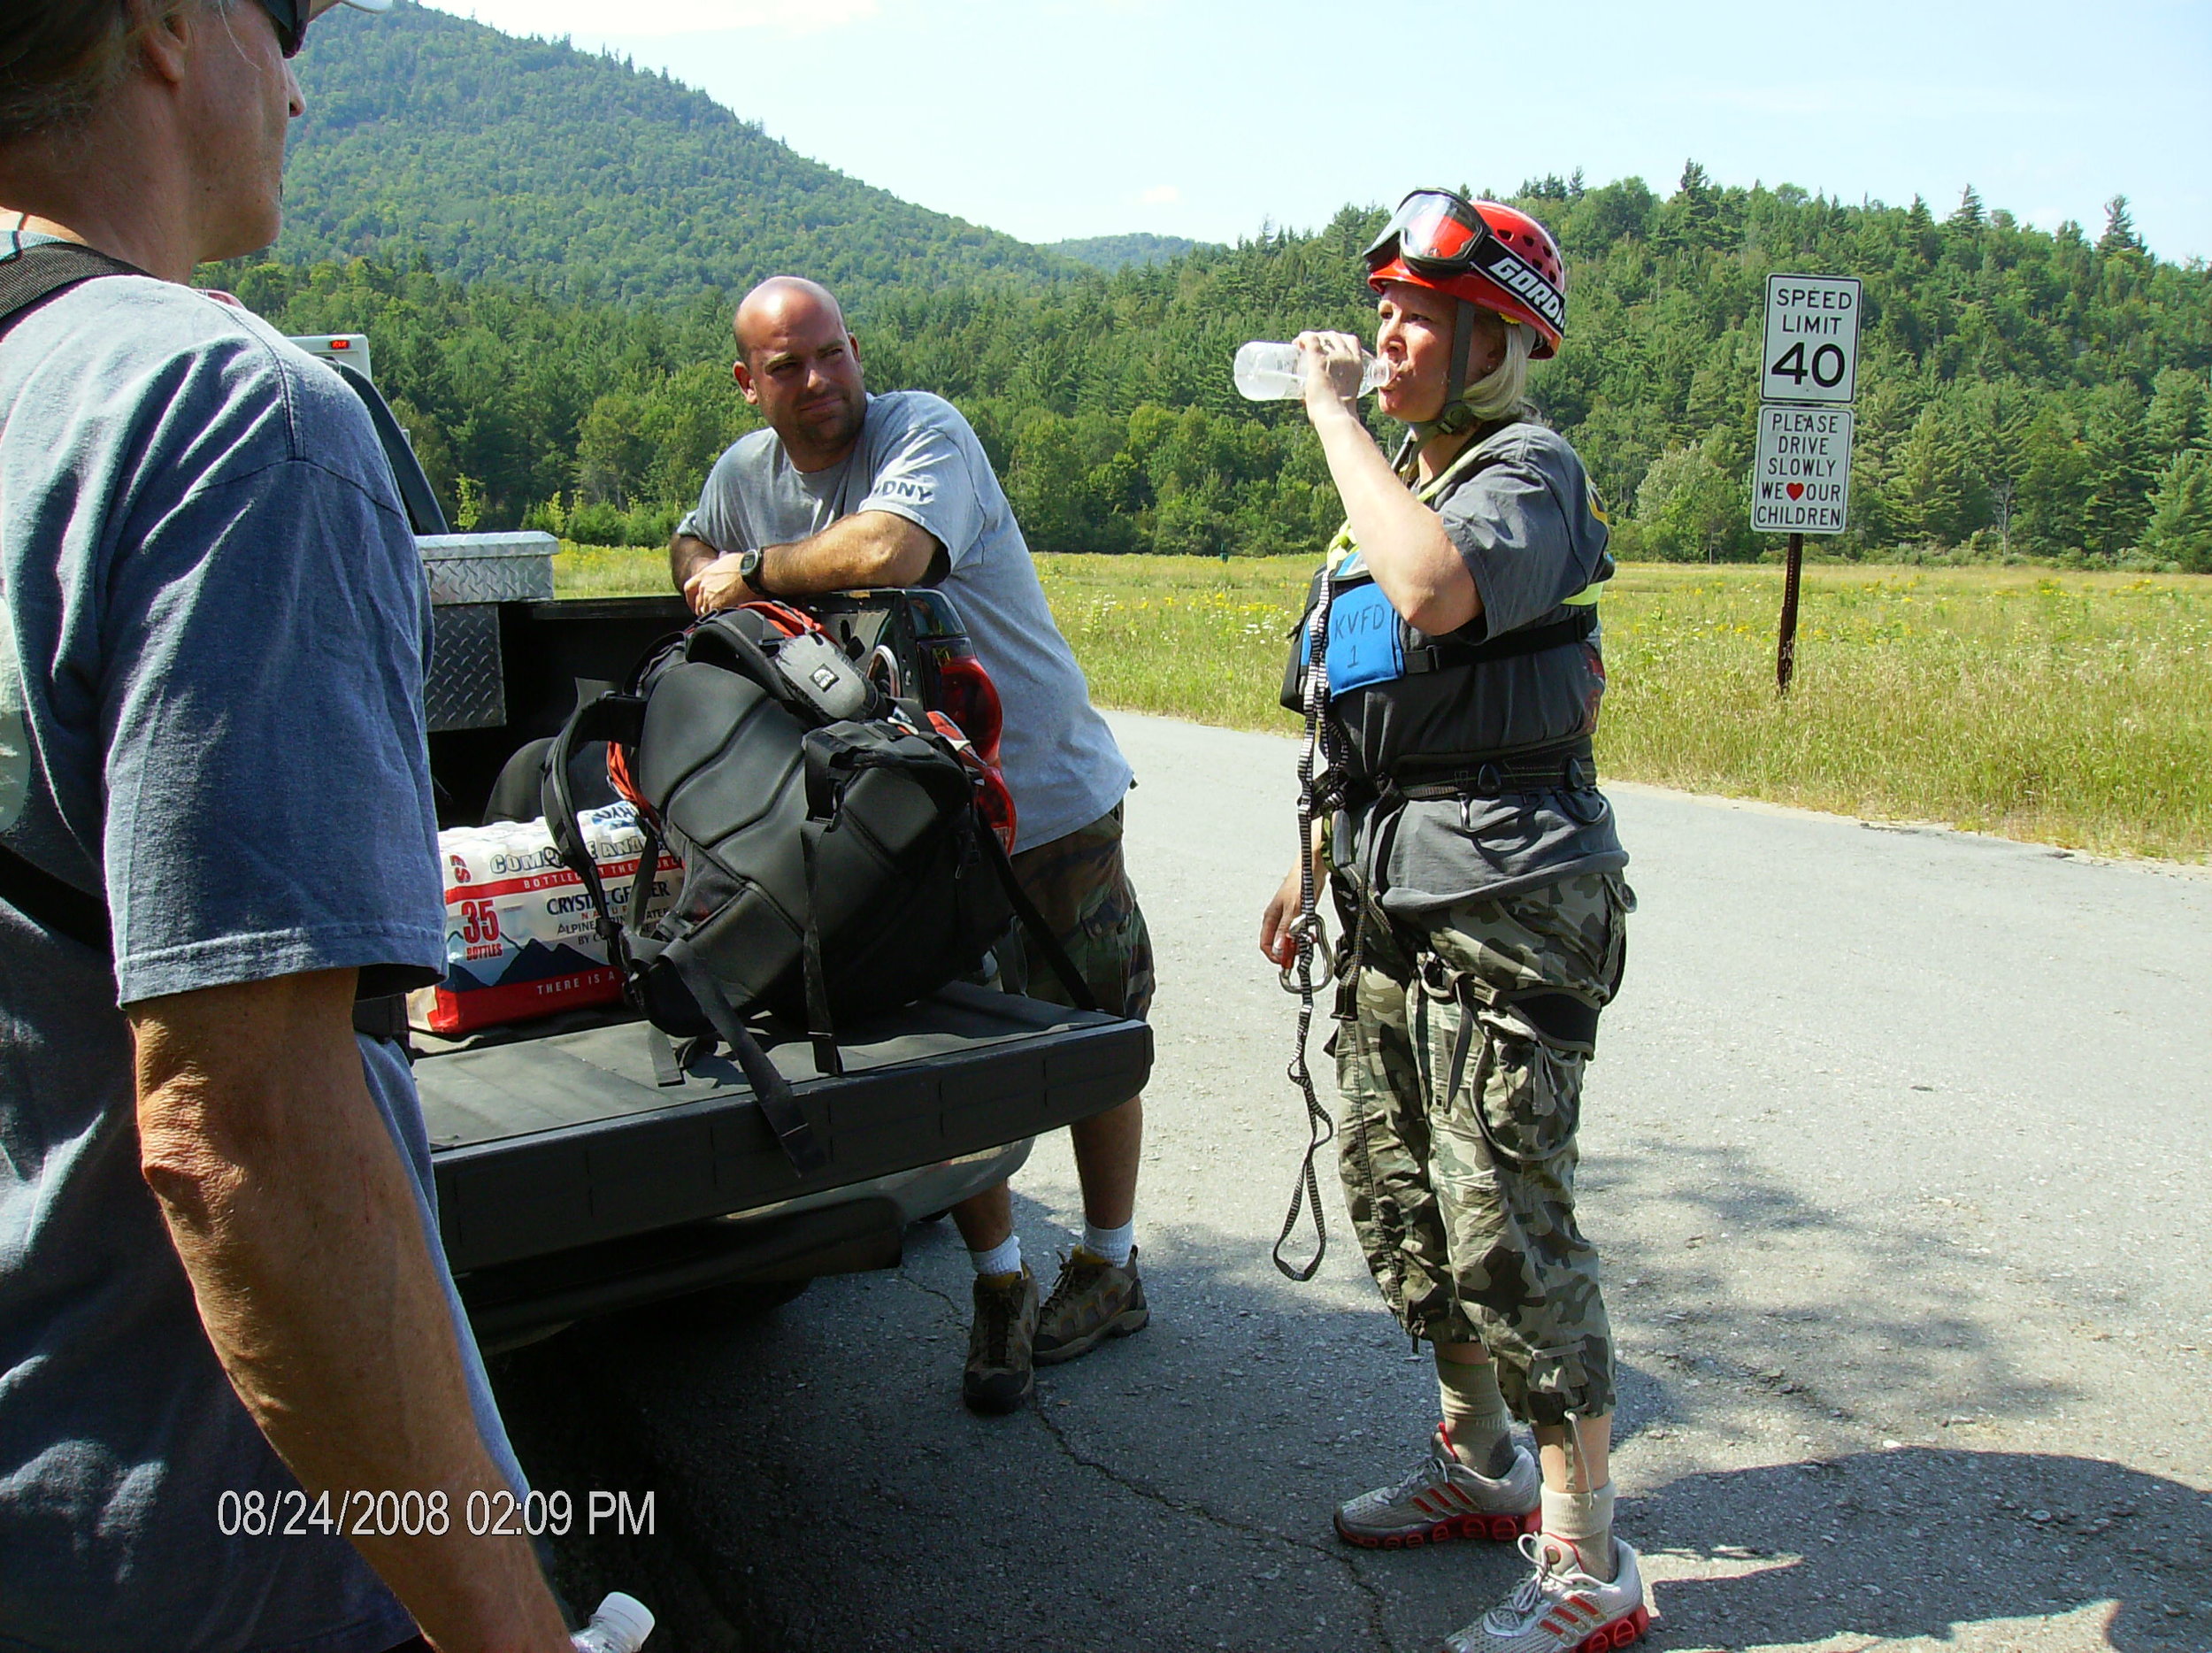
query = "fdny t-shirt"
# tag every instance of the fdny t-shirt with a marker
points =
(917, 457)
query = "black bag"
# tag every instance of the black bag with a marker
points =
(835, 862)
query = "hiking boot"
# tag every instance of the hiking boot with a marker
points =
(1561, 1610)
(1092, 1300)
(998, 1377)
(1442, 1498)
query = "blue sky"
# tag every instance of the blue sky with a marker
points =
(1050, 118)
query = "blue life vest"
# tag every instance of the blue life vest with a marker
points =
(1407, 706)
(1367, 639)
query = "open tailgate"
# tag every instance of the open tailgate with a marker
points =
(547, 1144)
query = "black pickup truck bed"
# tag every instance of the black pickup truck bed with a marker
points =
(570, 1183)
(547, 1150)
(555, 1142)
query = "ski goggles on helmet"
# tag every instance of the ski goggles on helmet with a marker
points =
(1439, 235)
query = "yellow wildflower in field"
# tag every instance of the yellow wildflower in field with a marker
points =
(2072, 709)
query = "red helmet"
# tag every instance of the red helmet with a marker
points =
(1482, 251)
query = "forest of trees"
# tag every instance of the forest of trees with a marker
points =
(577, 175)
(2022, 392)
(1111, 252)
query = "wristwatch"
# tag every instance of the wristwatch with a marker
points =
(748, 570)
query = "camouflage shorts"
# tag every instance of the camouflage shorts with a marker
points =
(1469, 1224)
(1081, 890)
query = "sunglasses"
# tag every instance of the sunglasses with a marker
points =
(290, 18)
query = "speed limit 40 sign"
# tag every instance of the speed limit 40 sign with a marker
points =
(1812, 351)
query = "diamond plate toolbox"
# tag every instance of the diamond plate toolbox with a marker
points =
(471, 574)
(489, 568)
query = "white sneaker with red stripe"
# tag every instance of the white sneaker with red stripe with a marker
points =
(1561, 1610)
(1442, 1498)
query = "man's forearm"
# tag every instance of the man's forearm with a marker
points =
(686, 555)
(870, 548)
(297, 1225)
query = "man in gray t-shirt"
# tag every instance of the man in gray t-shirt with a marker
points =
(845, 491)
(225, 1319)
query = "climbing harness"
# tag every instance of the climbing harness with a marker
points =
(1326, 782)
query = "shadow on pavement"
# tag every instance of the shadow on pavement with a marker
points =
(1916, 1543)
(819, 1486)
(1880, 1313)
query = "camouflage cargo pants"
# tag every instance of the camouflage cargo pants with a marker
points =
(1468, 1218)
(1081, 888)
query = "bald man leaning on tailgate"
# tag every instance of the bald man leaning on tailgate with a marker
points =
(845, 491)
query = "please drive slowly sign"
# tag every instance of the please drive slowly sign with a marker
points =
(1800, 482)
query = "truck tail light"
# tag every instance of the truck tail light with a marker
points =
(971, 700)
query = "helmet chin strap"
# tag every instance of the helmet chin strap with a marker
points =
(1455, 415)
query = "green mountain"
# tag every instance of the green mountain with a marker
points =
(1110, 253)
(2021, 391)
(431, 137)
(544, 244)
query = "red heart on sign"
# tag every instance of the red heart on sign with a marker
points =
(1797, 490)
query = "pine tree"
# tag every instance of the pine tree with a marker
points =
(2177, 416)
(1696, 207)
(1968, 215)
(1921, 233)
(2119, 472)
(1935, 494)
(2180, 526)
(2119, 229)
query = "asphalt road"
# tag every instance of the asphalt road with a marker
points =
(1897, 1150)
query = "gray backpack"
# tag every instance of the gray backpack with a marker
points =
(835, 861)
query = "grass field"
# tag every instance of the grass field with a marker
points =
(2063, 708)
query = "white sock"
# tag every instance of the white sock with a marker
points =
(1475, 1418)
(1112, 1245)
(1583, 1521)
(1005, 1257)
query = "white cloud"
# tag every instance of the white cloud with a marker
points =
(1161, 195)
(670, 17)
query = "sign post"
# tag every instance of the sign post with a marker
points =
(1785, 647)
(1809, 378)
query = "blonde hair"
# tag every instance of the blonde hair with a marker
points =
(1503, 390)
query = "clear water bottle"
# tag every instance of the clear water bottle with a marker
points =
(620, 1625)
(1267, 372)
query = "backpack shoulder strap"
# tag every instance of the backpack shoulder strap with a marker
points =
(29, 278)
(55, 903)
